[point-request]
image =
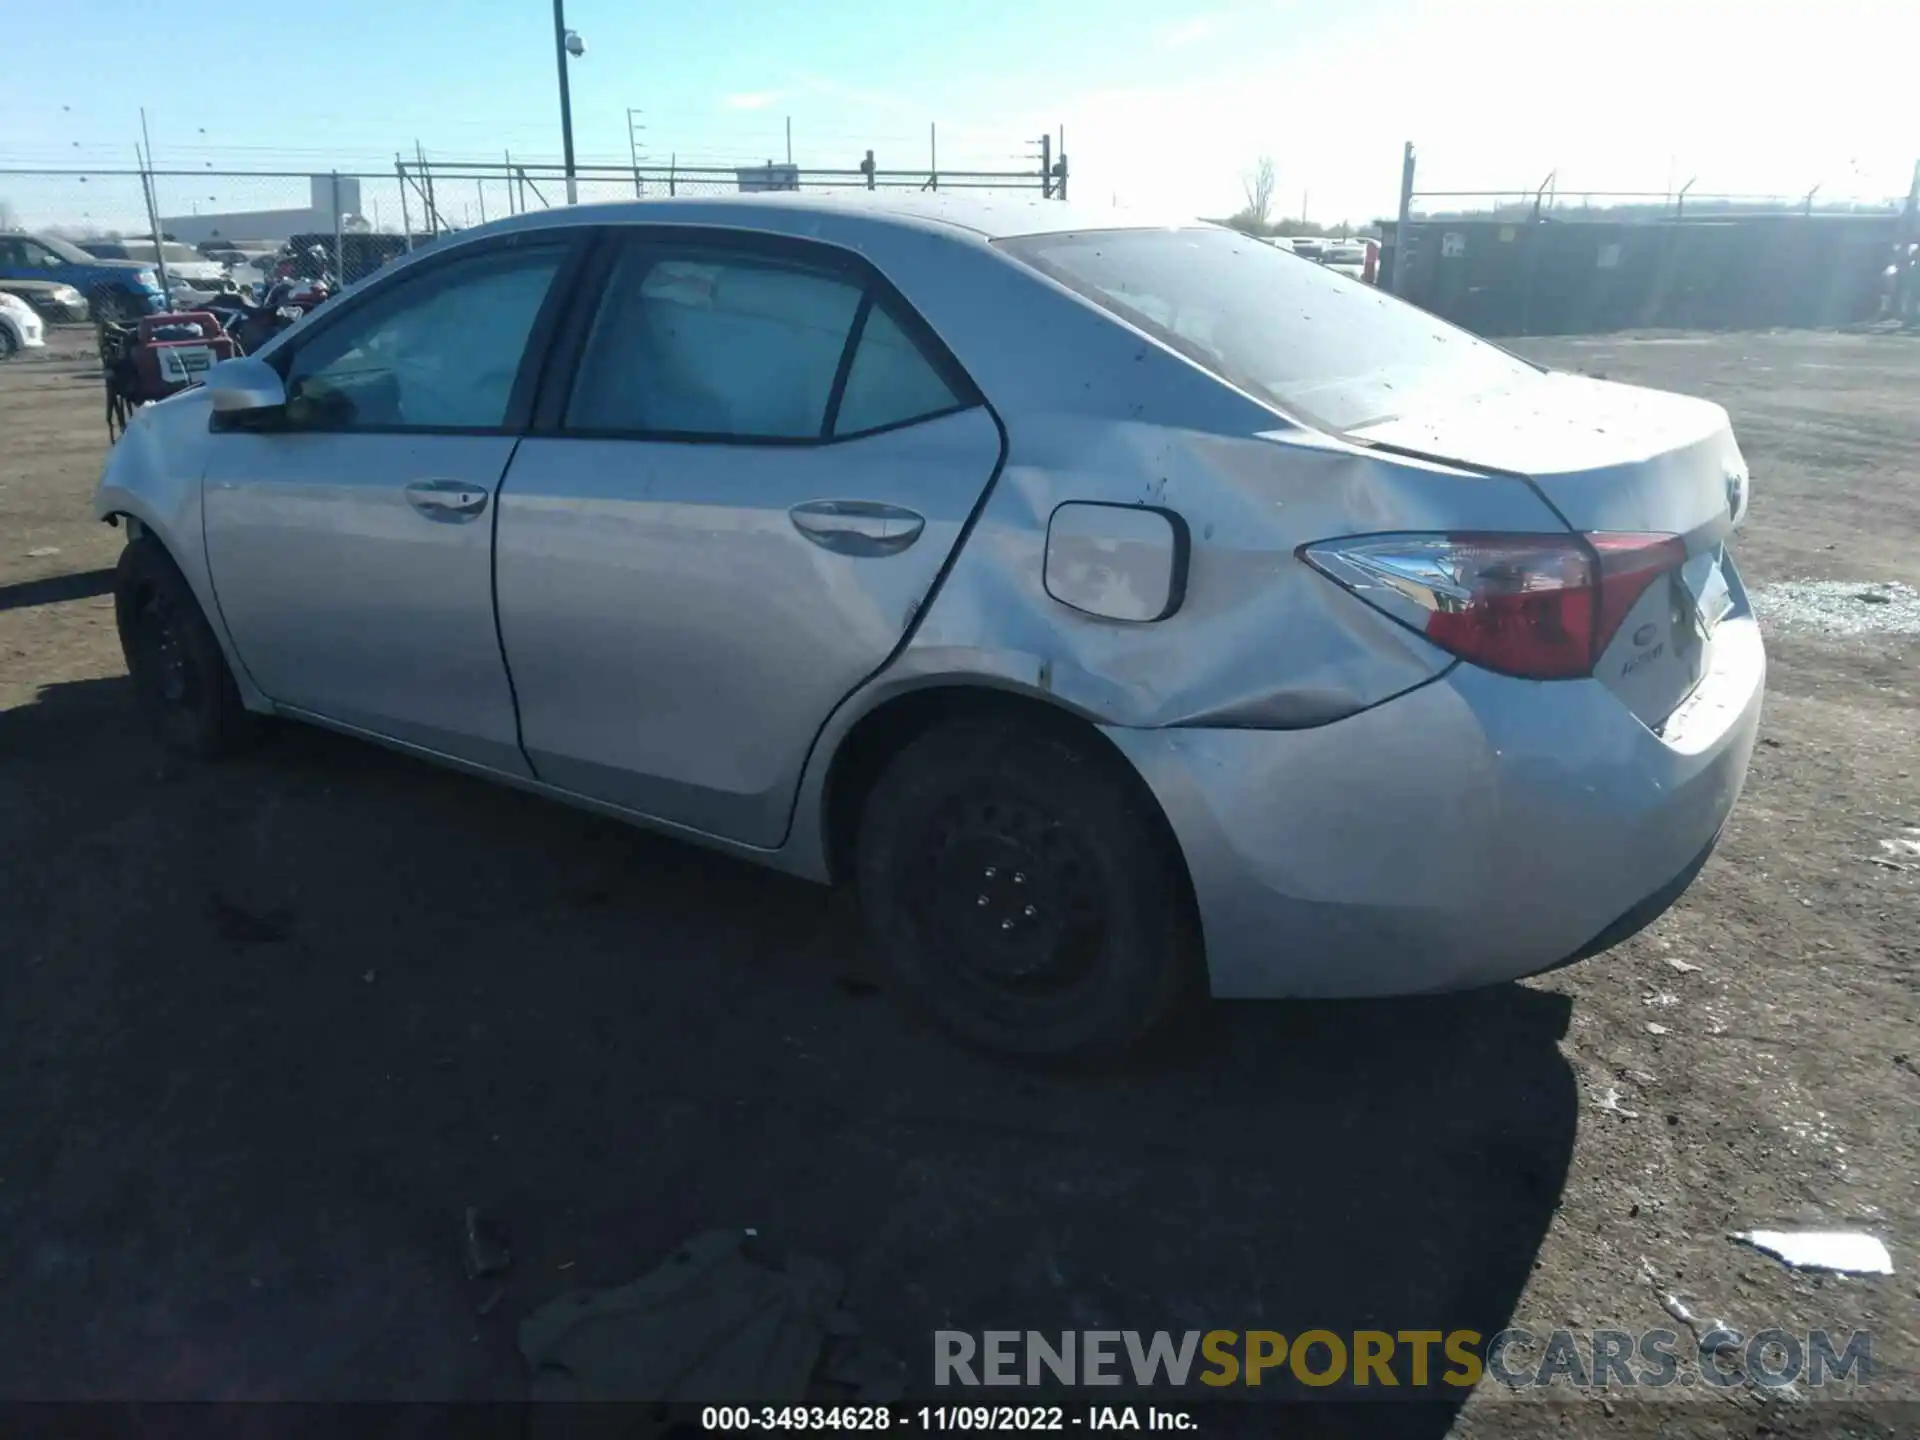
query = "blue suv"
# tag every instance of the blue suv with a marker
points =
(63, 282)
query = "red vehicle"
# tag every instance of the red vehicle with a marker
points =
(158, 357)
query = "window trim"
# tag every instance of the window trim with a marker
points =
(568, 349)
(571, 248)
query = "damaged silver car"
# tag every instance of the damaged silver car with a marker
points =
(1128, 610)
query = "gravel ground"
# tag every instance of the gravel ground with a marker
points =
(266, 1030)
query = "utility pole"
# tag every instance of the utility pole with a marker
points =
(406, 213)
(153, 209)
(634, 128)
(1060, 164)
(1395, 277)
(1046, 167)
(426, 190)
(789, 139)
(565, 42)
(933, 156)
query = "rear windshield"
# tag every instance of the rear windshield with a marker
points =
(1331, 351)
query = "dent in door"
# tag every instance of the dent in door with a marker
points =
(677, 638)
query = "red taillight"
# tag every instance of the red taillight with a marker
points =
(1542, 607)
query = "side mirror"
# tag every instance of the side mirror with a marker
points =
(245, 384)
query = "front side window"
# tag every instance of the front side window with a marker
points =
(1335, 352)
(437, 352)
(713, 344)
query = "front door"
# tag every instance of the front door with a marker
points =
(761, 467)
(350, 537)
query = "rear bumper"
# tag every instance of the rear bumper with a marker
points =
(1477, 829)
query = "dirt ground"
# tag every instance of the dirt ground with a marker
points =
(266, 1030)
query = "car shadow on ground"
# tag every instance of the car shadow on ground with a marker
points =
(56, 588)
(267, 1028)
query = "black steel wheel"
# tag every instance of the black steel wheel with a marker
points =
(1024, 891)
(180, 678)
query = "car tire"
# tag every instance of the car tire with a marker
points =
(9, 347)
(180, 677)
(1024, 893)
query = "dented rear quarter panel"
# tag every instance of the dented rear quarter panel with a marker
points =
(1096, 411)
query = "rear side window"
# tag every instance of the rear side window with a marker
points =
(713, 345)
(1334, 352)
(726, 344)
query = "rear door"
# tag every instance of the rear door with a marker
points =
(727, 520)
(350, 535)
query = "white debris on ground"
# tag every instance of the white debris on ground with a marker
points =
(1848, 1251)
(1840, 607)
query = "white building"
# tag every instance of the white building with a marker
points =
(276, 225)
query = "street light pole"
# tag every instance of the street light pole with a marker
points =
(566, 97)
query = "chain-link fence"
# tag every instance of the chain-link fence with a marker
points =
(221, 228)
(1549, 258)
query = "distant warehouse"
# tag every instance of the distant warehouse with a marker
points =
(318, 215)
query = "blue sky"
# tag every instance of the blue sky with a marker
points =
(1163, 104)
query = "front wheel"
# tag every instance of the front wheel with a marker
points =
(180, 677)
(1024, 893)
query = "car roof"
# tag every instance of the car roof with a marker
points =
(985, 217)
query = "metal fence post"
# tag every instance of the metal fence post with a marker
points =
(339, 243)
(1394, 271)
(406, 213)
(153, 220)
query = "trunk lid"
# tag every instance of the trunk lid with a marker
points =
(1615, 459)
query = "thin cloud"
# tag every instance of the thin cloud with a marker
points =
(753, 99)
(1192, 32)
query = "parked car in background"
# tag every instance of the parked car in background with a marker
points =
(20, 328)
(1308, 247)
(58, 278)
(184, 263)
(1121, 608)
(1345, 257)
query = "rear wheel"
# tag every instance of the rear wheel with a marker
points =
(180, 678)
(9, 347)
(1023, 893)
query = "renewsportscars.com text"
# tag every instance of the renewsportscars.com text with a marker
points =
(1377, 1360)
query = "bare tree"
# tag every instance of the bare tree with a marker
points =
(1259, 183)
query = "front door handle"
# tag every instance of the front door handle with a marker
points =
(450, 501)
(857, 527)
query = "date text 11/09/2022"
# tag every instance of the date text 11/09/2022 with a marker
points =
(935, 1418)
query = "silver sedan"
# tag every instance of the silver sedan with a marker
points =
(1128, 610)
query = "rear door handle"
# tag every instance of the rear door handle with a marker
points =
(857, 527)
(449, 501)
